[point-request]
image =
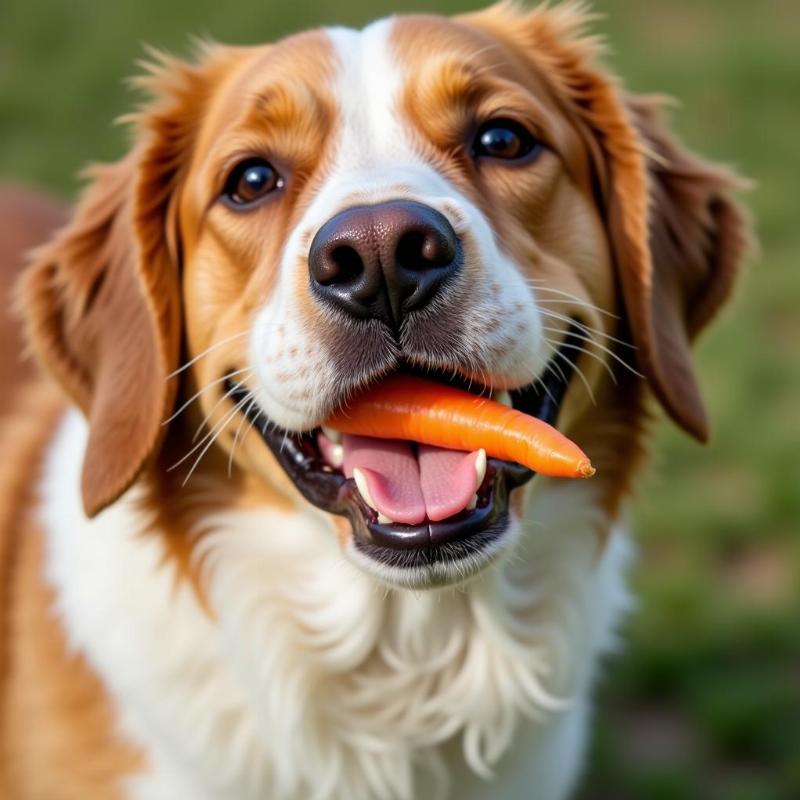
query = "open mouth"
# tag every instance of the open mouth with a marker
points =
(413, 505)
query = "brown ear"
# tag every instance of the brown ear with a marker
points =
(678, 240)
(101, 302)
(104, 333)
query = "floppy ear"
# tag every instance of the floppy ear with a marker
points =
(101, 302)
(677, 238)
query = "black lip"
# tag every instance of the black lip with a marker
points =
(398, 545)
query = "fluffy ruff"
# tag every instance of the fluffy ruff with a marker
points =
(309, 680)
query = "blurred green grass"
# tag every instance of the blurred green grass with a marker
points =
(705, 700)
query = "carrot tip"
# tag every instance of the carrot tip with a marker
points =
(586, 469)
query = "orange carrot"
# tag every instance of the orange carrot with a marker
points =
(406, 407)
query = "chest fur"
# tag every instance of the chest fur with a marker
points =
(311, 680)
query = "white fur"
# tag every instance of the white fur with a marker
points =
(375, 160)
(314, 682)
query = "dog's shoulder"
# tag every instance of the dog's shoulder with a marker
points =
(32, 646)
(56, 721)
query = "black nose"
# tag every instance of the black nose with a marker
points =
(383, 261)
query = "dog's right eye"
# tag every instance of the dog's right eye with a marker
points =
(250, 182)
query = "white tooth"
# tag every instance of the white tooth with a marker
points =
(334, 436)
(503, 397)
(473, 502)
(480, 468)
(336, 455)
(363, 488)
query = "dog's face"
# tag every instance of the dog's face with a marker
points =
(470, 199)
(358, 204)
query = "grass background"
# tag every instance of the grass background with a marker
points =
(705, 701)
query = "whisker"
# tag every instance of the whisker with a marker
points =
(610, 352)
(554, 367)
(587, 338)
(594, 356)
(558, 354)
(200, 427)
(539, 286)
(219, 428)
(245, 418)
(204, 389)
(199, 444)
(238, 385)
(583, 350)
(540, 382)
(575, 301)
(581, 375)
(253, 420)
(586, 328)
(206, 352)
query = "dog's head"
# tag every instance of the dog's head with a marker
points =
(474, 198)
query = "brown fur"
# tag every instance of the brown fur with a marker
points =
(125, 293)
(56, 736)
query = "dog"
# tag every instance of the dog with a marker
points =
(199, 600)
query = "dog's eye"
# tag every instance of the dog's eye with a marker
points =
(506, 139)
(251, 181)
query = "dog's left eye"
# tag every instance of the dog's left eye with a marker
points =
(251, 181)
(505, 139)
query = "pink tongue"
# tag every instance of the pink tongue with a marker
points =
(406, 487)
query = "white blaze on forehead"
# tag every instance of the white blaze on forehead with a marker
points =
(373, 157)
(367, 89)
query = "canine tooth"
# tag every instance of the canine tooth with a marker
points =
(363, 488)
(384, 520)
(336, 455)
(503, 397)
(480, 468)
(473, 502)
(334, 436)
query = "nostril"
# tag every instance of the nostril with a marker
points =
(408, 253)
(348, 262)
(343, 265)
(417, 250)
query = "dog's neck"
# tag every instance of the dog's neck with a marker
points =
(306, 672)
